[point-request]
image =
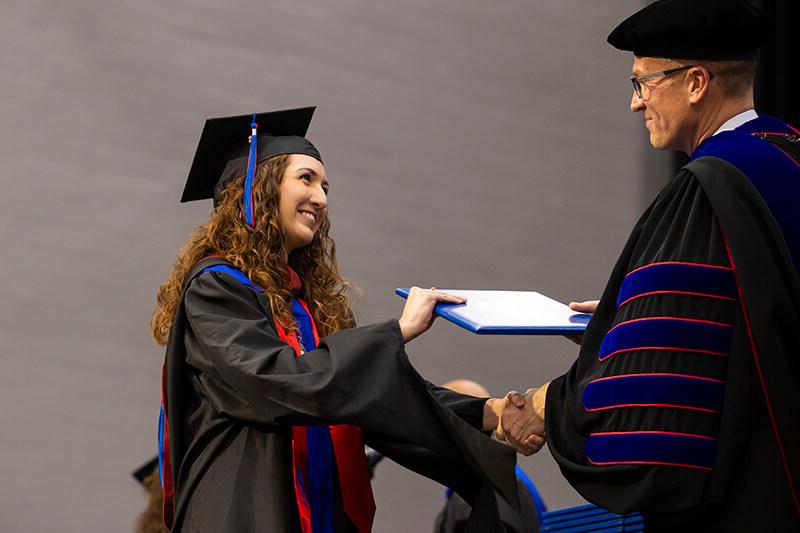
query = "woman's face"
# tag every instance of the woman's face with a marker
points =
(303, 200)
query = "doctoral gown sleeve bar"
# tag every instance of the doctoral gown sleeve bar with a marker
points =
(623, 443)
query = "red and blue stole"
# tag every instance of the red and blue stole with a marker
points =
(164, 460)
(321, 452)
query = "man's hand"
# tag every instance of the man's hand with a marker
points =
(522, 420)
(587, 306)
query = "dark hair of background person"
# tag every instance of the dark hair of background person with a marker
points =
(150, 520)
(777, 78)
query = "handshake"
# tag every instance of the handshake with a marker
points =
(518, 419)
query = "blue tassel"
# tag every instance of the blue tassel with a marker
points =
(252, 160)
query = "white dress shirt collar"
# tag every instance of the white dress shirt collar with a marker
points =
(737, 120)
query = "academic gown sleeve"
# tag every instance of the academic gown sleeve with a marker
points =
(359, 376)
(255, 376)
(468, 408)
(634, 424)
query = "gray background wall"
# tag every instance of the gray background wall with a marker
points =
(477, 145)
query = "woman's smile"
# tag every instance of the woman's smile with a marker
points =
(309, 215)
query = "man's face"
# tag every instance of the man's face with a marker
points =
(664, 103)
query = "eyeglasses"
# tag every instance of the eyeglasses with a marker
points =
(637, 80)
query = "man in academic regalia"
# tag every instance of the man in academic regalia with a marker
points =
(684, 403)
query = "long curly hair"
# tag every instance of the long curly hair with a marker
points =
(261, 254)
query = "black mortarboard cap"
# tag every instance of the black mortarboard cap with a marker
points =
(146, 469)
(693, 29)
(223, 149)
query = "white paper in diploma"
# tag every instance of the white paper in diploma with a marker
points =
(510, 313)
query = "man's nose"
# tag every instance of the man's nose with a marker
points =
(637, 104)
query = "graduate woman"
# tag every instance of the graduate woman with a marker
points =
(269, 392)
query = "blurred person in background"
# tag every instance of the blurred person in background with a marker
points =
(454, 515)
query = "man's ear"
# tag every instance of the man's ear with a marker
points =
(699, 78)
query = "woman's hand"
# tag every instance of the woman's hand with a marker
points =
(418, 315)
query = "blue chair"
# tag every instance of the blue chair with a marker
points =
(589, 518)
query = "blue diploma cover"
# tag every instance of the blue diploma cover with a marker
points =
(510, 313)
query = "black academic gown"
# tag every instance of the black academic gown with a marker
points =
(743, 397)
(234, 389)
